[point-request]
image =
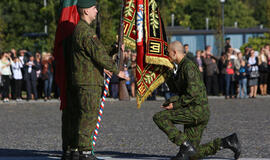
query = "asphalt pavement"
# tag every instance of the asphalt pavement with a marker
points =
(32, 130)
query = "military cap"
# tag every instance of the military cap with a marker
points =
(228, 38)
(86, 3)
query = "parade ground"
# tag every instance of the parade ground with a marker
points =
(32, 130)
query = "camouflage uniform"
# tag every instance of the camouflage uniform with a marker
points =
(190, 108)
(88, 59)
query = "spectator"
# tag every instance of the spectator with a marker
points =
(222, 68)
(203, 56)
(12, 80)
(17, 76)
(30, 76)
(188, 53)
(39, 76)
(133, 74)
(128, 80)
(267, 51)
(199, 61)
(229, 77)
(13, 53)
(263, 69)
(246, 54)
(211, 72)
(22, 56)
(228, 44)
(47, 75)
(253, 74)
(243, 72)
(237, 64)
(5, 71)
(114, 84)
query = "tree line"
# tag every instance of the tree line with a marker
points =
(18, 18)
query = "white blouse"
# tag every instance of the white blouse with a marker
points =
(16, 69)
(4, 70)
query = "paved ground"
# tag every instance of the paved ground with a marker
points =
(31, 131)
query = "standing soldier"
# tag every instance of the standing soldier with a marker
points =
(189, 108)
(88, 61)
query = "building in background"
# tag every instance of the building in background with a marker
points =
(198, 39)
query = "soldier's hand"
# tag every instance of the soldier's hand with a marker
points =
(122, 75)
(169, 107)
(109, 74)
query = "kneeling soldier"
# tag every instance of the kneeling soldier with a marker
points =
(189, 108)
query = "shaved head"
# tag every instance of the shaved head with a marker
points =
(177, 46)
(176, 51)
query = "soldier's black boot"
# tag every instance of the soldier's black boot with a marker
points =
(66, 155)
(87, 155)
(231, 142)
(74, 155)
(186, 151)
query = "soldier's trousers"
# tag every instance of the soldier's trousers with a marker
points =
(80, 117)
(194, 119)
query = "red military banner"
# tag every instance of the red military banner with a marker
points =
(152, 54)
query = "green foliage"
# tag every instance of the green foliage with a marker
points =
(18, 17)
(237, 11)
(257, 43)
(110, 17)
(176, 7)
(2, 28)
(234, 11)
(28, 16)
(261, 11)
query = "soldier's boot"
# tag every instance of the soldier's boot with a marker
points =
(231, 142)
(74, 154)
(66, 155)
(186, 151)
(87, 155)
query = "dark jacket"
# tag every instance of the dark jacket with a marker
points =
(33, 74)
(188, 85)
(89, 57)
(210, 67)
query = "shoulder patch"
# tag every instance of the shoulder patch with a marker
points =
(191, 73)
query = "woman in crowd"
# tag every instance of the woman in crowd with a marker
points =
(229, 77)
(253, 74)
(199, 61)
(263, 68)
(242, 79)
(47, 75)
(5, 71)
(17, 67)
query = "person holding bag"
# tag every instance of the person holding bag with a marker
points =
(263, 69)
(253, 74)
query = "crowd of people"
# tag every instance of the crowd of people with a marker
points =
(234, 74)
(24, 71)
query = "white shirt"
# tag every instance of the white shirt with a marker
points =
(5, 70)
(16, 69)
(21, 58)
(30, 66)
